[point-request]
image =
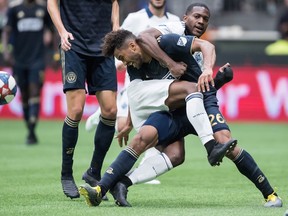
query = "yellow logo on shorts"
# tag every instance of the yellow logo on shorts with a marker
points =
(71, 77)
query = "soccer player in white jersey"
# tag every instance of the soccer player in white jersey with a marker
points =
(195, 22)
(136, 22)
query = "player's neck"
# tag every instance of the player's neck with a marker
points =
(159, 12)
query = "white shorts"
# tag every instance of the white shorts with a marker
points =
(147, 97)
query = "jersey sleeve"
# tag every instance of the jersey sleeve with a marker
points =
(176, 44)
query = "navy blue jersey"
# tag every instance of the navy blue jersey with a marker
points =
(179, 49)
(28, 23)
(89, 21)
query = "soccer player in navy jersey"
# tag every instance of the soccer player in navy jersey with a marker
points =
(154, 88)
(195, 22)
(27, 23)
(81, 26)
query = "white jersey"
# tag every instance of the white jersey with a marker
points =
(179, 28)
(143, 19)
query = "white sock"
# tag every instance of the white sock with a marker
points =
(151, 168)
(149, 153)
(198, 117)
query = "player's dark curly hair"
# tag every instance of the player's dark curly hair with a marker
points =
(198, 4)
(115, 40)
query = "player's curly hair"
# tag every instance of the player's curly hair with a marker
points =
(198, 4)
(115, 40)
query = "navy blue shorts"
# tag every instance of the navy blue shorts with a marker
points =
(171, 126)
(216, 118)
(34, 73)
(98, 72)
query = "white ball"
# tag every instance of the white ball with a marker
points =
(8, 88)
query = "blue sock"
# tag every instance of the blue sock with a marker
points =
(102, 142)
(69, 141)
(122, 165)
(248, 167)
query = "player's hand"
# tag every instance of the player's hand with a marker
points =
(178, 69)
(204, 80)
(65, 37)
(123, 135)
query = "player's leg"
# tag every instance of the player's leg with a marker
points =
(242, 159)
(21, 77)
(198, 118)
(146, 137)
(93, 120)
(36, 75)
(75, 104)
(102, 76)
(74, 89)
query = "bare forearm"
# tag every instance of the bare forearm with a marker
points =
(149, 43)
(115, 15)
(53, 9)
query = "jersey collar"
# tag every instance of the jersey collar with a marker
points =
(149, 13)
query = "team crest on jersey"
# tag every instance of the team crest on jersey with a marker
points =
(71, 77)
(182, 41)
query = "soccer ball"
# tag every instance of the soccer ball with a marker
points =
(8, 88)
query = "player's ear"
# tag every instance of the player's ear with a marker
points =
(185, 18)
(132, 45)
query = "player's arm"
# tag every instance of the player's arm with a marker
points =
(115, 15)
(53, 9)
(209, 59)
(147, 40)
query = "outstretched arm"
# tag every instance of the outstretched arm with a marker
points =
(147, 40)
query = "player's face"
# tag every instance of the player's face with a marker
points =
(130, 55)
(158, 4)
(197, 21)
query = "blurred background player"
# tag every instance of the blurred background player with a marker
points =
(81, 26)
(154, 14)
(26, 26)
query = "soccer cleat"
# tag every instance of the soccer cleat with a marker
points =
(119, 193)
(92, 195)
(92, 121)
(273, 201)
(224, 77)
(93, 182)
(69, 187)
(219, 151)
(31, 139)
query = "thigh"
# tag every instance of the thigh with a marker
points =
(145, 98)
(21, 77)
(74, 70)
(101, 74)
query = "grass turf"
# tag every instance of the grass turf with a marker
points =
(30, 176)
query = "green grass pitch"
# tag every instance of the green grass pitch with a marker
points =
(30, 176)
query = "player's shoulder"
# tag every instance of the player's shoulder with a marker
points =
(172, 17)
(137, 14)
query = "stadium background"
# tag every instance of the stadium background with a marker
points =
(240, 31)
